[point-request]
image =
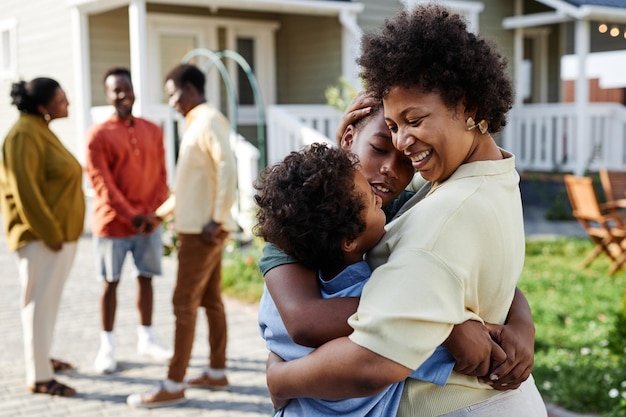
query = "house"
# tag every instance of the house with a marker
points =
(295, 49)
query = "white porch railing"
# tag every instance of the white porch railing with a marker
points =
(544, 137)
(291, 127)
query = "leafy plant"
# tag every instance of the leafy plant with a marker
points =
(169, 237)
(339, 96)
(241, 277)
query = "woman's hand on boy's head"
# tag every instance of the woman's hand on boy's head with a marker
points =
(359, 107)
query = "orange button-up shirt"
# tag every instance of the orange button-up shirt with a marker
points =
(126, 166)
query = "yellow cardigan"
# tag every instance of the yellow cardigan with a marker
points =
(41, 194)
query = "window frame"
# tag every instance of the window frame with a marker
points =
(8, 27)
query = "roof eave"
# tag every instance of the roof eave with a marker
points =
(536, 19)
(310, 7)
(614, 14)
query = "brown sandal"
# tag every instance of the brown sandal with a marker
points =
(60, 366)
(52, 387)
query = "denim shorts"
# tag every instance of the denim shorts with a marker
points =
(147, 251)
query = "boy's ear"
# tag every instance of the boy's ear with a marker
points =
(348, 246)
(347, 138)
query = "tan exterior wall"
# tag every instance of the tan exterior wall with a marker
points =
(309, 47)
(490, 26)
(109, 45)
(44, 38)
(375, 13)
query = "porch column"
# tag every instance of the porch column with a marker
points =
(138, 53)
(350, 45)
(518, 58)
(81, 104)
(583, 141)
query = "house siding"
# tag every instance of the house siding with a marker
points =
(309, 58)
(109, 46)
(375, 12)
(490, 25)
(44, 49)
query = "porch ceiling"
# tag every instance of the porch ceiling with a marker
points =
(567, 11)
(309, 7)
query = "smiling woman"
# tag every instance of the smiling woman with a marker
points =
(462, 245)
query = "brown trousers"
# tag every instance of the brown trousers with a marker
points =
(198, 284)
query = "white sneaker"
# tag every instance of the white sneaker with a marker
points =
(154, 349)
(158, 396)
(105, 360)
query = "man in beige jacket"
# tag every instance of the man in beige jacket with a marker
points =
(205, 190)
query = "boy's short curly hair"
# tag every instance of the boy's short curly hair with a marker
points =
(308, 203)
(431, 47)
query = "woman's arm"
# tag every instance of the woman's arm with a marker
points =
(310, 320)
(501, 355)
(339, 369)
(517, 338)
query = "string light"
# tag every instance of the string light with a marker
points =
(614, 30)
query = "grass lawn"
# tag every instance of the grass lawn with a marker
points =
(580, 362)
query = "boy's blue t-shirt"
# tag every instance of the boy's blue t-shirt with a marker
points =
(348, 283)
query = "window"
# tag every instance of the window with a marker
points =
(245, 47)
(8, 49)
(254, 41)
(172, 37)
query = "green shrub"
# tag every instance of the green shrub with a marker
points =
(241, 277)
(339, 96)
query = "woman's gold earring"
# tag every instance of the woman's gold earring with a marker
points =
(482, 125)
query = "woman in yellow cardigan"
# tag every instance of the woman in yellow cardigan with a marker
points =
(43, 208)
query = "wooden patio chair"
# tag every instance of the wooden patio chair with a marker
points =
(606, 230)
(614, 186)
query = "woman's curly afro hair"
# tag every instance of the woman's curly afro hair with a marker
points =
(308, 203)
(431, 47)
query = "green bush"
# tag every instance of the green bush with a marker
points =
(339, 96)
(241, 277)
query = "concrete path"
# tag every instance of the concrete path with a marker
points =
(77, 338)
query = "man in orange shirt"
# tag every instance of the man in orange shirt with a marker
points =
(126, 165)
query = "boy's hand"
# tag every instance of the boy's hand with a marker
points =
(518, 343)
(473, 349)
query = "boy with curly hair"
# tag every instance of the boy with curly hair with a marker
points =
(320, 209)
